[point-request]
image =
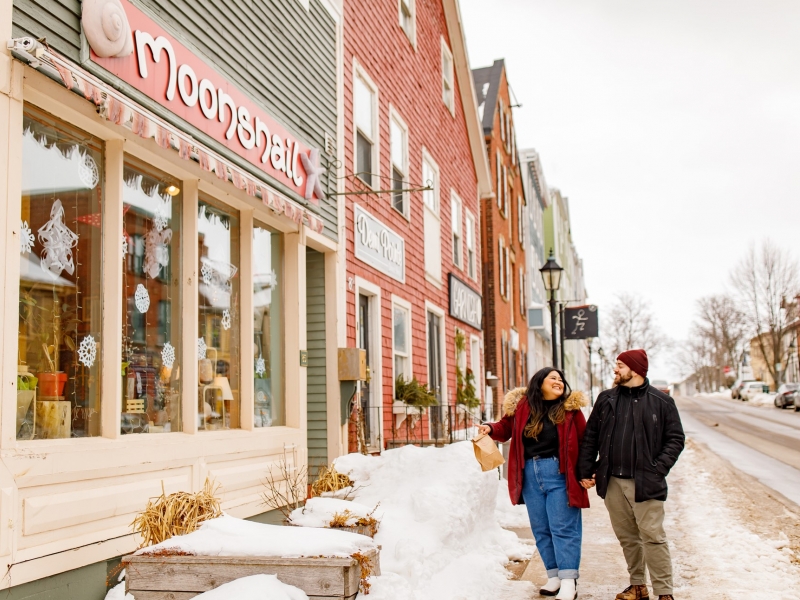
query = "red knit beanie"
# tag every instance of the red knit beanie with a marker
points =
(636, 361)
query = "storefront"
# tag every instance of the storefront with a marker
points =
(177, 235)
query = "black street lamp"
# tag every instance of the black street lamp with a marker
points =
(551, 274)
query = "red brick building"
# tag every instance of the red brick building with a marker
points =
(411, 122)
(502, 236)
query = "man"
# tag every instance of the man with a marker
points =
(637, 431)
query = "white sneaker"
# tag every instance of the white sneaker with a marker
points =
(551, 587)
(568, 590)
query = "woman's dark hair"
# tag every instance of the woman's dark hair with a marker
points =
(556, 414)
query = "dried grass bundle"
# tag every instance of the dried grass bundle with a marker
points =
(370, 523)
(177, 514)
(330, 480)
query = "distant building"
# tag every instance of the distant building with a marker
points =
(538, 314)
(502, 226)
(413, 257)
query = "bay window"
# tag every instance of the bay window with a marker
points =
(267, 264)
(218, 347)
(60, 281)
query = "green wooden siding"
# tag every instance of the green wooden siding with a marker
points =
(317, 389)
(276, 52)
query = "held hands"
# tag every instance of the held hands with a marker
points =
(588, 483)
(484, 429)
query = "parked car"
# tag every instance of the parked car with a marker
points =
(736, 389)
(752, 388)
(786, 395)
(661, 386)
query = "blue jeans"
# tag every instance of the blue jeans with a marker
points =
(554, 523)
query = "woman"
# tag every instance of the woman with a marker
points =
(545, 425)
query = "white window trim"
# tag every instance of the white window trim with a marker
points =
(504, 209)
(501, 111)
(460, 224)
(430, 307)
(446, 52)
(358, 71)
(405, 167)
(405, 304)
(501, 262)
(474, 341)
(368, 288)
(412, 8)
(468, 216)
(499, 169)
(427, 158)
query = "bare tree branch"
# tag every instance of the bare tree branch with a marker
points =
(631, 324)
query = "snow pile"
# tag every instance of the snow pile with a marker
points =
(507, 514)
(255, 587)
(714, 550)
(118, 593)
(439, 533)
(763, 400)
(228, 536)
(319, 512)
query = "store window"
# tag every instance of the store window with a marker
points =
(270, 407)
(218, 347)
(401, 350)
(475, 362)
(398, 139)
(60, 283)
(152, 303)
(364, 115)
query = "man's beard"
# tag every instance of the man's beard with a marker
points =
(619, 379)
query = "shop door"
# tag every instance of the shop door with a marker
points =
(436, 413)
(364, 333)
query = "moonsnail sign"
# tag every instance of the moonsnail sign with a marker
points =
(169, 73)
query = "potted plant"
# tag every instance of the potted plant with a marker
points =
(411, 394)
(53, 327)
(26, 394)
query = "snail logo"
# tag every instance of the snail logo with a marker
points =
(106, 27)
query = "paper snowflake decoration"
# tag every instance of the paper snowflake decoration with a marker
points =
(156, 251)
(26, 239)
(87, 171)
(124, 245)
(142, 298)
(58, 241)
(160, 221)
(201, 348)
(168, 355)
(207, 272)
(87, 351)
(261, 367)
(226, 319)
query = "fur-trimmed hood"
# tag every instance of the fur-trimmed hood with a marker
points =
(576, 401)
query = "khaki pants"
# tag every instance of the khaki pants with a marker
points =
(639, 527)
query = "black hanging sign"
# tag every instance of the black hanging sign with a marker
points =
(580, 322)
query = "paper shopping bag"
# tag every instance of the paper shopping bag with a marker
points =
(487, 453)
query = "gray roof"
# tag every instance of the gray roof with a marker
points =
(487, 85)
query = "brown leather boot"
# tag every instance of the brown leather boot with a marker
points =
(666, 597)
(634, 592)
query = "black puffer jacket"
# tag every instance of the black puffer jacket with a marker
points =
(659, 442)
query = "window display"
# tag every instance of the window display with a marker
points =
(268, 327)
(151, 337)
(218, 346)
(60, 285)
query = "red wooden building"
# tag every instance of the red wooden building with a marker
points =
(413, 255)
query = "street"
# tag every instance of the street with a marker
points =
(732, 534)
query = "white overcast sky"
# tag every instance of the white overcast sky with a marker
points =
(672, 126)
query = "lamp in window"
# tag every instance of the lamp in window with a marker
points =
(217, 409)
(551, 275)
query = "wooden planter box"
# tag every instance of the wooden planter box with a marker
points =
(183, 577)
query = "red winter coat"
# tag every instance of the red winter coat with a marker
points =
(516, 412)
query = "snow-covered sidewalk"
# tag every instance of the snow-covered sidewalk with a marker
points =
(730, 538)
